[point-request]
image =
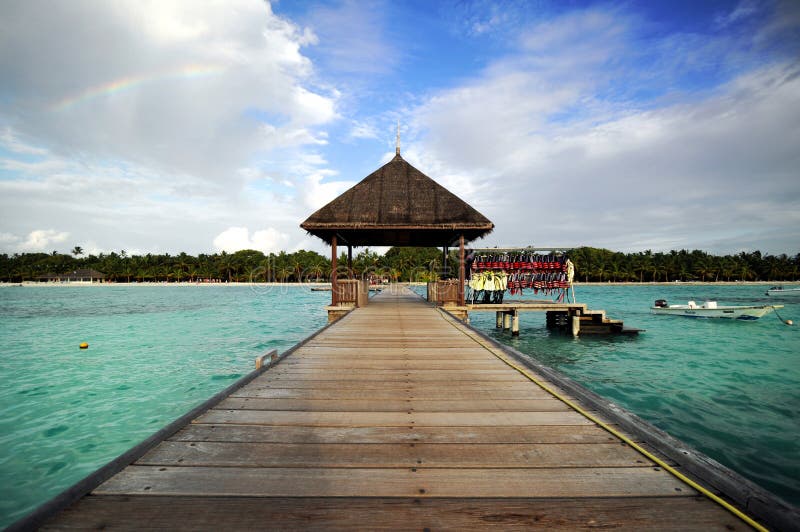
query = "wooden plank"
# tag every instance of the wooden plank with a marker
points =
(399, 375)
(357, 351)
(373, 482)
(311, 434)
(227, 454)
(393, 405)
(464, 386)
(346, 514)
(447, 341)
(392, 419)
(418, 337)
(377, 394)
(393, 364)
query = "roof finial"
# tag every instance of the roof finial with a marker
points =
(397, 148)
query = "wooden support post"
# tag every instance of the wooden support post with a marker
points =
(576, 325)
(515, 324)
(334, 285)
(498, 319)
(349, 261)
(506, 321)
(461, 273)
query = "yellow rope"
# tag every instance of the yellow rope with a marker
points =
(680, 476)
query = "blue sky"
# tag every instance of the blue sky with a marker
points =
(159, 126)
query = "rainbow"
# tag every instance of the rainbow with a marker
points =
(131, 82)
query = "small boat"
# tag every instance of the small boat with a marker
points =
(710, 309)
(781, 291)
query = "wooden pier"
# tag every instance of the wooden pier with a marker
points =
(397, 416)
(573, 318)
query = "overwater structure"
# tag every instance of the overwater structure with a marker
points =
(398, 416)
(396, 205)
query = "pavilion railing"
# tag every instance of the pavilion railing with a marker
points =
(444, 292)
(352, 292)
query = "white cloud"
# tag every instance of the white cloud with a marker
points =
(177, 87)
(316, 193)
(159, 126)
(237, 238)
(744, 9)
(10, 141)
(7, 239)
(38, 240)
(363, 130)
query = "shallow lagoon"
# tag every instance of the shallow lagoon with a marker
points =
(731, 390)
(155, 352)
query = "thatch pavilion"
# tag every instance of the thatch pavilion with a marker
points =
(77, 276)
(397, 205)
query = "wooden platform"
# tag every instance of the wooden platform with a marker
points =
(574, 318)
(394, 417)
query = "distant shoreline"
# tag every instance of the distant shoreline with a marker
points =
(34, 284)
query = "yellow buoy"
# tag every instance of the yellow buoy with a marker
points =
(84, 345)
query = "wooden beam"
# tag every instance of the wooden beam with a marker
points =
(461, 273)
(334, 266)
(350, 261)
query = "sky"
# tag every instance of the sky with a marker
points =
(158, 126)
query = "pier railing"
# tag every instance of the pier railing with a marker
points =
(353, 292)
(444, 292)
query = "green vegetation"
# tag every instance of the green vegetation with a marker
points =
(398, 264)
(602, 265)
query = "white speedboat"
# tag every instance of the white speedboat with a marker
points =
(710, 309)
(781, 291)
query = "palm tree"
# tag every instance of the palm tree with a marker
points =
(745, 272)
(283, 273)
(704, 269)
(316, 270)
(77, 250)
(600, 271)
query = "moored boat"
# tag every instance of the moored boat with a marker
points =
(781, 291)
(710, 309)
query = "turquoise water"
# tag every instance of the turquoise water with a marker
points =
(155, 352)
(728, 388)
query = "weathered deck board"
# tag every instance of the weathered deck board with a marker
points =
(395, 405)
(376, 394)
(227, 454)
(312, 435)
(395, 482)
(399, 363)
(393, 418)
(465, 386)
(323, 514)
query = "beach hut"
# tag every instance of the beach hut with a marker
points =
(396, 205)
(77, 276)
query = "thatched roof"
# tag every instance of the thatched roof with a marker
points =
(397, 205)
(77, 275)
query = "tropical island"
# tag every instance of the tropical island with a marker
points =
(397, 264)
